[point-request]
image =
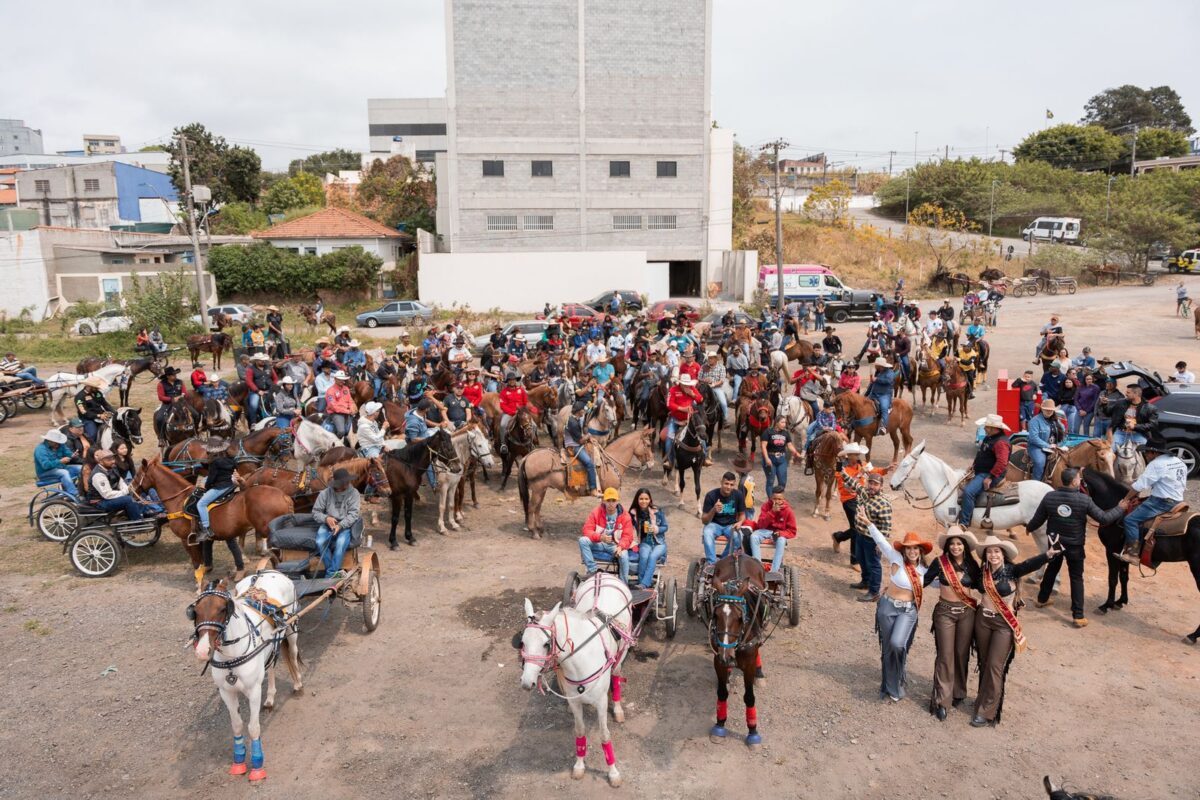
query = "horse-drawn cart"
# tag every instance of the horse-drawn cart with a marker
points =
(1055, 284)
(17, 392)
(664, 595)
(1022, 287)
(783, 588)
(94, 540)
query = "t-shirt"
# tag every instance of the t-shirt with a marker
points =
(729, 507)
(777, 442)
(1028, 389)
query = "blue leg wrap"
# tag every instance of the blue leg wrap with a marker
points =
(753, 739)
(256, 753)
(239, 749)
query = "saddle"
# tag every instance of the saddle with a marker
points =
(1173, 523)
(190, 507)
(575, 473)
(1005, 495)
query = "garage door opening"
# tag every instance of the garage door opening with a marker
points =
(684, 278)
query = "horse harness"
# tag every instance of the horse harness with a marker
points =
(260, 603)
(752, 614)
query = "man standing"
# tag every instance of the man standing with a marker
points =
(1052, 381)
(1045, 432)
(1133, 420)
(609, 531)
(1166, 478)
(1065, 513)
(991, 462)
(1028, 389)
(722, 511)
(872, 508)
(338, 509)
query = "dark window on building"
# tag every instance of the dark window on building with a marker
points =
(91, 184)
(408, 129)
(428, 156)
(41, 186)
(543, 169)
(493, 169)
(618, 169)
(667, 169)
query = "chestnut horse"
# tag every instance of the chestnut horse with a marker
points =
(216, 343)
(309, 314)
(956, 390)
(735, 633)
(366, 475)
(859, 415)
(189, 456)
(825, 457)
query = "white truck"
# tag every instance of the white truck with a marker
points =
(1053, 229)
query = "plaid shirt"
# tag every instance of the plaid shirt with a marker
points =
(714, 374)
(878, 508)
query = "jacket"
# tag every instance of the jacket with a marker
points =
(338, 400)
(1044, 432)
(91, 404)
(1147, 418)
(168, 391)
(639, 516)
(1051, 383)
(781, 522)
(345, 506)
(597, 521)
(680, 401)
(1065, 513)
(512, 399)
(48, 456)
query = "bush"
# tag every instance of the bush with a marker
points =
(263, 268)
(165, 301)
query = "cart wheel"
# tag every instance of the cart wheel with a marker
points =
(1072, 287)
(34, 401)
(569, 588)
(95, 554)
(370, 603)
(672, 614)
(1051, 287)
(3, 413)
(793, 579)
(140, 538)
(57, 521)
(1033, 289)
(10, 407)
(1148, 279)
(689, 591)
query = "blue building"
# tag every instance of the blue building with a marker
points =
(100, 195)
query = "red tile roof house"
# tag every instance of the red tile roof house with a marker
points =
(335, 228)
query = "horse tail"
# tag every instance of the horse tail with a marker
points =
(523, 487)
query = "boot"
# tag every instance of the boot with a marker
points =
(203, 535)
(1132, 553)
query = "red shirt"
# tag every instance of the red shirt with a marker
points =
(474, 393)
(199, 378)
(680, 401)
(782, 522)
(692, 368)
(802, 376)
(513, 398)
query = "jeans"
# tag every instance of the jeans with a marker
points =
(885, 407)
(370, 452)
(760, 536)
(1074, 555)
(332, 557)
(627, 378)
(819, 320)
(709, 536)
(868, 562)
(1099, 425)
(123, 503)
(896, 627)
(321, 405)
(1072, 416)
(649, 552)
(91, 429)
(775, 467)
(341, 424)
(1027, 411)
(492, 385)
(1150, 508)
(588, 550)
(722, 401)
(202, 504)
(66, 475)
(971, 493)
(1083, 423)
(906, 367)
(1037, 462)
(669, 444)
(30, 373)
(585, 458)
(255, 402)
(737, 385)
(1121, 437)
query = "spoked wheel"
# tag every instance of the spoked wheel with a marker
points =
(1051, 287)
(95, 554)
(689, 591)
(34, 401)
(10, 406)
(57, 521)
(139, 537)
(3, 413)
(569, 588)
(1072, 287)
(371, 603)
(672, 610)
(1148, 279)
(793, 580)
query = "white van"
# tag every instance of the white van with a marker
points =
(1053, 229)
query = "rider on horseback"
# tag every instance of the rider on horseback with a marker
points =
(222, 477)
(880, 391)
(575, 440)
(168, 389)
(989, 467)
(512, 399)
(354, 360)
(681, 402)
(1051, 328)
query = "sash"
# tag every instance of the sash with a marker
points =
(951, 576)
(918, 588)
(989, 586)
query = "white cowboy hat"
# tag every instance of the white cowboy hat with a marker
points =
(686, 380)
(882, 362)
(955, 531)
(992, 541)
(210, 377)
(371, 408)
(354, 342)
(260, 357)
(287, 380)
(344, 329)
(340, 376)
(853, 449)
(993, 421)
(55, 435)
(272, 308)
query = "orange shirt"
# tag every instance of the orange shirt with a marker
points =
(859, 471)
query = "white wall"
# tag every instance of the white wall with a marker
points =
(527, 281)
(720, 190)
(793, 200)
(380, 247)
(154, 209)
(22, 273)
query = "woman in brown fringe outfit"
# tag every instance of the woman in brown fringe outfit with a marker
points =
(955, 573)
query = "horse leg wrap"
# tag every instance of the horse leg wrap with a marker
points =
(580, 746)
(256, 753)
(758, 660)
(751, 717)
(616, 688)
(239, 756)
(722, 711)
(609, 758)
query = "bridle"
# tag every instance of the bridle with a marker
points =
(751, 613)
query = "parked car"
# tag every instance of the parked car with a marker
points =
(1179, 426)
(528, 329)
(1053, 229)
(1153, 385)
(716, 330)
(629, 298)
(667, 308)
(240, 314)
(1186, 261)
(577, 312)
(397, 312)
(113, 319)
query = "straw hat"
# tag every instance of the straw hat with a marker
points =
(993, 421)
(1049, 404)
(956, 532)
(211, 377)
(344, 329)
(260, 357)
(882, 362)
(322, 340)
(914, 540)
(272, 308)
(354, 342)
(992, 541)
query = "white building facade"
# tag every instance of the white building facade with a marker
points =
(414, 128)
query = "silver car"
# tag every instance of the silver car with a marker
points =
(397, 312)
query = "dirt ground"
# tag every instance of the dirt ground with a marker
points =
(103, 699)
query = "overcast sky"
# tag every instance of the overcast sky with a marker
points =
(852, 78)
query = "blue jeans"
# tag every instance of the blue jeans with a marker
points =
(709, 536)
(586, 459)
(1037, 460)
(30, 373)
(885, 407)
(971, 493)
(1027, 411)
(648, 558)
(669, 444)
(1121, 437)
(905, 367)
(284, 421)
(819, 321)
(255, 402)
(868, 561)
(66, 474)
(776, 468)
(202, 504)
(332, 557)
(1151, 507)
(588, 550)
(722, 401)
(737, 385)
(1083, 423)
(123, 503)
(627, 378)
(492, 385)
(760, 536)
(1099, 425)
(1072, 416)
(91, 429)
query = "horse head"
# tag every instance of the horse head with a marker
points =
(210, 614)
(441, 449)
(377, 479)
(906, 465)
(739, 591)
(481, 449)
(536, 644)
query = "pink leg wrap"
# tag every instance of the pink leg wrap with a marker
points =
(751, 717)
(617, 680)
(609, 758)
(722, 710)
(580, 746)
(758, 660)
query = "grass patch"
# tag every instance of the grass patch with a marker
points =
(37, 628)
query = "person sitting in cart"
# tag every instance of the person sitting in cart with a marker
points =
(776, 524)
(650, 525)
(608, 530)
(108, 491)
(723, 511)
(76, 444)
(93, 408)
(337, 509)
(52, 459)
(156, 342)
(12, 366)
(222, 477)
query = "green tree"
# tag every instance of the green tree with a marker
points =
(237, 219)
(231, 173)
(1140, 214)
(165, 301)
(1071, 147)
(300, 191)
(262, 268)
(1160, 143)
(397, 192)
(747, 169)
(152, 148)
(330, 161)
(241, 174)
(829, 203)
(1157, 107)
(312, 188)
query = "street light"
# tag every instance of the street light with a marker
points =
(992, 206)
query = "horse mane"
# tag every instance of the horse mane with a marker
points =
(409, 453)
(1111, 486)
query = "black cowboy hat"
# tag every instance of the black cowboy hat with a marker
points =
(1154, 445)
(169, 371)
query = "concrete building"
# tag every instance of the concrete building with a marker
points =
(1174, 164)
(97, 195)
(156, 160)
(18, 138)
(414, 128)
(102, 144)
(581, 156)
(335, 229)
(811, 165)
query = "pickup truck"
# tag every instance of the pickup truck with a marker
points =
(1184, 262)
(841, 306)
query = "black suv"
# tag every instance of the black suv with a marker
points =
(1179, 426)
(629, 298)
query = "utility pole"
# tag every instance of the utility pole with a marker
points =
(992, 206)
(1003, 152)
(775, 147)
(908, 178)
(891, 155)
(191, 223)
(1108, 197)
(947, 156)
(1133, 155)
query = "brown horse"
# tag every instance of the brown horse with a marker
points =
(362, 392)
(309, 314)
(735, 634)
(250, 510)
(542, 470)
(190, 458)
(366, 474)
(753, 419)
(990, 274)
(1050, 352)
(799, 350)
(405, 470)
(859, 415)
(825, 457)
(1095, 454)
(521, 440)
(954, 385)
(216, 343)
(929, 378)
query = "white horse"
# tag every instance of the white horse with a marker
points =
(941, 484)
(585, 651)
(798, 416)
(469, 441)
(244, 628)
(1129, 464)
(602, 418)
(65, 384)
(311, 442)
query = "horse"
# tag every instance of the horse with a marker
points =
(216, 418)
(522, 438)
(66, 384)
(228, 629)
(1092, 453)
(714, 419)
(600, 422)
(252, 509)
(133, 368)
(825, 457)
(190, 457)
(984, 354)
(180, 423)
(366, 475)
(405, 468)
(929, 378)
(309, 315)
(859, 415)
(470, 443)
(1050, 350)
(991, 274)
(215, 343)
(797, 416)
(941, 483)
(688, 454)
(1107, 492)
(753, 419)
(737, 611)
(542, 470)
(310, 441)
(1129, 464)
(125, 424)
(956, 390)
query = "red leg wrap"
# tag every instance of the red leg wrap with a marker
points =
(616, 688)
(722, 710)
(609, 758)
(751, 717)
(758, 660)
(580, 746)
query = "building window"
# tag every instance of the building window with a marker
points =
(41, 186)
(539, 222)
(543, 169)
(627, 222)
(661, 222)
(493, 169)
(502, 222)
(91, 184)
(310, 251)
(618, 169)
(116, 260)
(667, 169)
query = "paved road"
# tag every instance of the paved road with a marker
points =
(866, 216)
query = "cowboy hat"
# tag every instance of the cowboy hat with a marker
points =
(96, 382)
(954, 531)
(853, 449)
(371, 408)
(340, 376)
(686, 380)
(322, 340)
(211, 377)
(272, 308)
(1049, 404)
(405, 335)
(341, 479)
(741, 464)
(354, 342)
(912, 540)
(344, 329)
(993, 421)
(992, 541)
(170, 371)
(1154, 445)
(882, 362)
(55, 435)
(713, 355)
(286, 380)
(216, 445)
(260, 357)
